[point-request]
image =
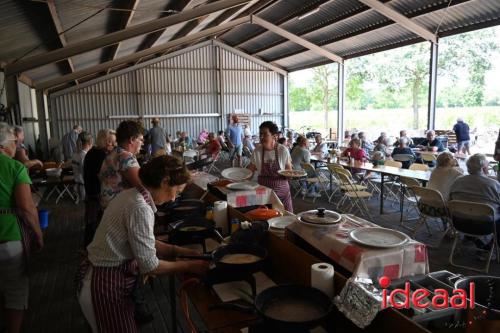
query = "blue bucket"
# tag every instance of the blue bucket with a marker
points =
(43, 217)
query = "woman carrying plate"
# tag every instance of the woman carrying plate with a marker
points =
(268, 158)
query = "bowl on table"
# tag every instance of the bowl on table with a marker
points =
(53, 172)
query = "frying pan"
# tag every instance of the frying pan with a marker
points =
(222, 251)
(293, 307)
(193, 228)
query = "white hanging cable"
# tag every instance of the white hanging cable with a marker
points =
(443, 17)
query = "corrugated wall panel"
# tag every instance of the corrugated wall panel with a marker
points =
(252, 88)
(185, 84)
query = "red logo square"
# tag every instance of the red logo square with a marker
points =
(351, 252)
(391, 271)
(420, 253)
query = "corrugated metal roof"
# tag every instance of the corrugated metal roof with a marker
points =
(346, 27)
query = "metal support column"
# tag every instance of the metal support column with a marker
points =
(12, 97)
(42, 122)
(286, 113)
(431, 113)
(341, 98)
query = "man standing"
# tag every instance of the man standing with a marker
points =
(461, 130)
(157, 136)
(86, 141)
(69, 142)
(234, 133)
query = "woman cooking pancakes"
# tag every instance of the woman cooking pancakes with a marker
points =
(268, 158)
(124, 245)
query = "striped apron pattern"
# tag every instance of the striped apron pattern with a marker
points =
(270, 177)
(27, 233)
(111, 291)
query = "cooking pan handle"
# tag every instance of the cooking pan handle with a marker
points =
(197, 257)
(232, 306)
(218, 236)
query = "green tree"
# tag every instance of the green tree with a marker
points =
(300, 99)
(470, 55)
(324, 89)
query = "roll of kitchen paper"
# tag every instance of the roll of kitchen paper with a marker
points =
(322, 276)
(220, 216)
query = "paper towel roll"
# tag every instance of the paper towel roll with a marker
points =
(322, 276)
(220, 216)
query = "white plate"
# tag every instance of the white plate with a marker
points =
(243, 186)
(292, 173)
(236, 174)
(281, 222)
(378, 237)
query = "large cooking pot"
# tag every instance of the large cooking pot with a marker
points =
(262, 213)
(487, 293)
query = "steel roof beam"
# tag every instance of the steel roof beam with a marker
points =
(370, 28)
(135, 56)
(115, 37)
(128, 19)
(60, 31)
(400, 19)
(296, 39)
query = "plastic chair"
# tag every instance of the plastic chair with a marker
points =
(419, 166)
(409, 196)
(392, 163)
(474, 220)
(430, 205)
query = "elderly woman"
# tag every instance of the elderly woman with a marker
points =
(445, 174)
(105, 143)
(268, 158)
(120, 169)
(124, 245)
(321, 147)
(300, 154)
(15, 203)
(21, 151)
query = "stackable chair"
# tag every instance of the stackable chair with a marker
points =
(431, 205)
(473, 220)
(313, 178)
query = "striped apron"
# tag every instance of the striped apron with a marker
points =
(111, 291)
(27, 233)
(270, 177)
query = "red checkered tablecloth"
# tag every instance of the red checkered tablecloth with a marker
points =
(367, 262)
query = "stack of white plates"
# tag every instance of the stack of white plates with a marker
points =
(278, 224)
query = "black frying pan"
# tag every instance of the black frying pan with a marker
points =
(293, 307)
(218, 255)
(194, 228)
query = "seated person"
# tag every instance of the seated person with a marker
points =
(478, 187)
(366, 145)
(300, 154)
(248, 142)
(404, 149)
(282, 141)
(354, 151)
(402, 134)
(185, 141)
(203, 136)
(289, 140)
(445, 174)
(212, 146)
(321, 147)
(21, 151)
(431, 142)
(381, 145)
